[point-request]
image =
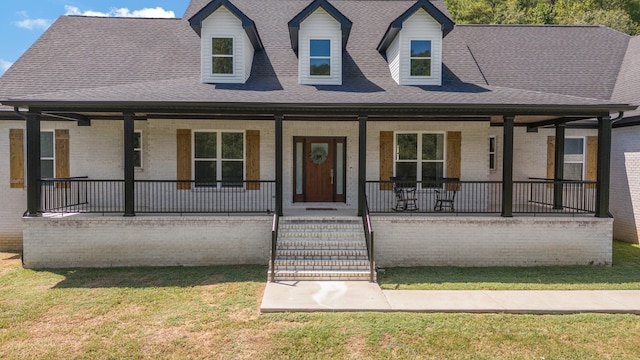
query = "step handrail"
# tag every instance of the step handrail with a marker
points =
(274, 241)
(368, 234)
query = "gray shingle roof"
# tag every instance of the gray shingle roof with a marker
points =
(573, 60)
(81, 52)
(124, 59)
(628, 85)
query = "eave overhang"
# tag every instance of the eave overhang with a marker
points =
(628, 121)
(409, 109)
(394, 28)
(247, 24)
(294, 24)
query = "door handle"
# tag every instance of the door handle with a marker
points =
(331, 176)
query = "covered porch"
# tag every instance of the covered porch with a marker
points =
(147, 212)
(355, 178)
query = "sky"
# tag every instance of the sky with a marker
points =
(22, 22)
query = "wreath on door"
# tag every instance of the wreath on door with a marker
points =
(318, 155)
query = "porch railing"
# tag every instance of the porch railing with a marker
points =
(82, 195)
(368, 234)
(482, 197)
(274, 246)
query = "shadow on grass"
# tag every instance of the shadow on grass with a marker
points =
(12, 256)
(624, 274)
(142, 277)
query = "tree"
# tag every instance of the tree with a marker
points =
(622, 15)
(611, 13)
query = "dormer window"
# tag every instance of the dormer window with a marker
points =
(320, 57)
(319, 35)
(228, 41)
(412, 45)
(222, 54)
(420, 58)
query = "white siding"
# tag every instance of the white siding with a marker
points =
(222, 23)
(420, 26)
(625, 184)
(248, 56)
(320, 25)
(393, 57)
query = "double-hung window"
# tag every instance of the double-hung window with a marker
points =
(222, 55)
(218, 158)
(47, 154)
(420, 58)
(420, 157)
(492, 153)
(319, 57)
(137, 149)
(574, 159)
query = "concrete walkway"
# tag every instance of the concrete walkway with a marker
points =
(312, 296)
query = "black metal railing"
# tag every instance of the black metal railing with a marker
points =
(574, 196)
(163, 196)
(274, 245)
(84, 195)
(73, 194)
(368, 234)
(480, 197)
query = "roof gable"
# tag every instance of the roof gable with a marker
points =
(294, 24)
(394, 28)
(247, 24)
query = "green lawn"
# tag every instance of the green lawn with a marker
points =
(623, 275)
(213, 312)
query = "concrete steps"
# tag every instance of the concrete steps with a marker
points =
(321, 249)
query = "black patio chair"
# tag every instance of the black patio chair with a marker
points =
(446, 196)
(405, 192)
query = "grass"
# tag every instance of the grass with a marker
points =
(213, 313)
(623, 275)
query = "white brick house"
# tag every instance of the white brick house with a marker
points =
(625, 151)
(278, 107)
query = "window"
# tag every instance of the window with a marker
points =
(492, 153)
(320, 57)
(222, 55)
(218, 157)
(47, 157)
(420, 57)
(574, 159)
(420, 156)
(137, 149)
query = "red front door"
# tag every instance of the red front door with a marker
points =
(323, 167)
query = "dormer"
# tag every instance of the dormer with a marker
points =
(412, 45)
(319, 35)
(228, 41)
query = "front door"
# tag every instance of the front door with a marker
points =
(319, 169)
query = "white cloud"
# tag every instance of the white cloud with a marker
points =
(157, 12)
(32, 24)
(72, 10)
(4, 66)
